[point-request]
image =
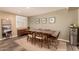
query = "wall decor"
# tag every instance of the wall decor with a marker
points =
(44, 20)
(52, 20)
(37, 21)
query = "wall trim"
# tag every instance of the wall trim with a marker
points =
(1, 39)
(14, 36)
(63, 40)
(11, 37)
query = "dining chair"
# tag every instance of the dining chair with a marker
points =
(42, 40)
(54, 40)
(29, 35)
(38, 38)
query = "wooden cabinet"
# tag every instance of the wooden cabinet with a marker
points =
(22, 32)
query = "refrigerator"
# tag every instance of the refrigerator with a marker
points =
(74, 36)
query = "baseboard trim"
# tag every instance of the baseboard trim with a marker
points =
(14, 36)
(10, 37)
(1, 39)
(63, 40)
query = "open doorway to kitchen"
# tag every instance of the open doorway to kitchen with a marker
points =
(6, 28)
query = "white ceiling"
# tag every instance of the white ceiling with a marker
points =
(29, 11)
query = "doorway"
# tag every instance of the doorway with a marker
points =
(6, 28)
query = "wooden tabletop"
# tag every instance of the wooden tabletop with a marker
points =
(46, 31)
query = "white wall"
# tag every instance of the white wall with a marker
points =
(63, 20)
(21, 22)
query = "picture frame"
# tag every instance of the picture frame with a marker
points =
(52, 20)
(43, 20)
(37, 21)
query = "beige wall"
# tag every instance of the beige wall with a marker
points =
(63, 19)
(11, 17)
(78, 16)
(0, 30)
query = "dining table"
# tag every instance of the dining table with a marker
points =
(45, 31)
(43, 35)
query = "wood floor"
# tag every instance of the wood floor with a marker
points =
(21, 44)
(10, 45)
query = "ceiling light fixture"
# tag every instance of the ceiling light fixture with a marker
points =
(7, 19)
(28, 7)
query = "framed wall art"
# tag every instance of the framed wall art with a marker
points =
(37, 21)
(52, 20)
(43, 20)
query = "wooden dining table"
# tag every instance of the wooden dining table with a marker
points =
(43, 32)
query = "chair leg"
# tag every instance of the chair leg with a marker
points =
(41, 45)
(48, 46)
(56, 44)
(27, 38)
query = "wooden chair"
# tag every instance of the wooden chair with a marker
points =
(42, 39)
(45, 40)
(37, 39)
(53, 40)
(32, 37)
(29, 36)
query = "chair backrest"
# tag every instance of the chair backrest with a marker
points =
(58, 35)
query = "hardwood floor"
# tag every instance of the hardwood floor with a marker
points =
(10, 45)
(21, 44)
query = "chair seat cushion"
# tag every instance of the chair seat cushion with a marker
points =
(38, 37)
(30, 35)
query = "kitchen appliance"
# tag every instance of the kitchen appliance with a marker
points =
(74, 36)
